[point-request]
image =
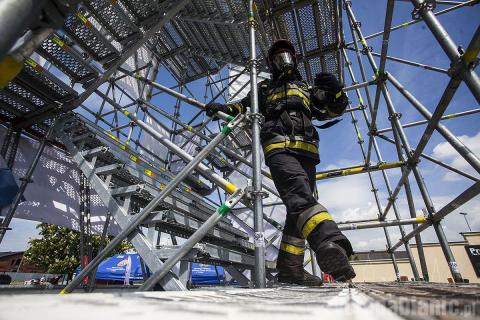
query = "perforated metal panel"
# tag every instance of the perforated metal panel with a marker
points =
(111, 15)
(201, 39)
(82, 31)
(56, 51)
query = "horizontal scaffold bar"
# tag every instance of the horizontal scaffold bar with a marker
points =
(356, 170)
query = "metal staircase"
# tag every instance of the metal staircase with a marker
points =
(126, 183)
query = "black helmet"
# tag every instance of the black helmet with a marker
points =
(280, 46)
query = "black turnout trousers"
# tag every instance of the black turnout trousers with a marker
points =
(294, 178)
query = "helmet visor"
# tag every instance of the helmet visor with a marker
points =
(284, 58)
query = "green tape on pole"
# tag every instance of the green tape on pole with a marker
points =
(223, 210)
(226, 130)
(230, 118)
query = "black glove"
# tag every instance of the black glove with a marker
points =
(213, 108)
(328, 82)
(327, 97)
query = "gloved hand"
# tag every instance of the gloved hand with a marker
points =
(213, 108)
(328, 82)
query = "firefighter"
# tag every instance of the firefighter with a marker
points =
(290, 145)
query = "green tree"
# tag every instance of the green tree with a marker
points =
(58, 249)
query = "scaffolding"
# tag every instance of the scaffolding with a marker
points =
(114, 51)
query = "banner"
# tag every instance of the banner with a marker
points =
(53, 196)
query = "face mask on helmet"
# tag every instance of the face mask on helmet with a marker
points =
(283, 63)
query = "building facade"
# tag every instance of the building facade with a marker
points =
(377, 266)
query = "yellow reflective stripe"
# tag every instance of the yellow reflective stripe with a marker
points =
(338, 94)
(58, 41)
(292, 249)
(421, 220)
(238, 107)
(230, 188)
(291, 144)
(149, 172)
(112, 136)
(315, 221)
(391, 165)
(290, 92)
(84, 20)
(133, 158)
(470, 55)
(9, 69)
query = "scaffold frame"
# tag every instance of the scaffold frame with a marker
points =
(101, 44)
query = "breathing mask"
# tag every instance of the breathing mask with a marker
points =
(283, 64)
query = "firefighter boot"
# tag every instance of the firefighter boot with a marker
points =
(332, 257)
(291, 271)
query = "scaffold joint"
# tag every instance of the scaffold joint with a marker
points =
(421, 8)
(366, 50)
(251, 194)
(251, 116)
(346, 4)
(395, 115)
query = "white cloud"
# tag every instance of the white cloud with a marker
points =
(445, 152)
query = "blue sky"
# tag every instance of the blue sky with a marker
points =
(350, 197)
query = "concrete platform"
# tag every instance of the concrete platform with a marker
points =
(367, 301)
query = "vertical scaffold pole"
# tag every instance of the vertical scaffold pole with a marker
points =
(413, 156)
(259, 273)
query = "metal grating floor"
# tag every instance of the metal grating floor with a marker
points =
(329, 302)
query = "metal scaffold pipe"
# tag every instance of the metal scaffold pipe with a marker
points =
(381, 224)
(227, 151)
(259, 271)
(362, 149)
(229, 187)
(357, 170)
(463, 198)
(436, 161)
(459, 61)
(412, 22)
(445, 117)
(143, 215)
(196, 237)
(15, 18)
(355, 29)
(459, 146)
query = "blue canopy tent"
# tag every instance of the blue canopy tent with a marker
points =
(205, 274)
(113, 270)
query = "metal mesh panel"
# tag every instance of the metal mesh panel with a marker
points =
(7, 114)
(307, 24)
(315, 66)
(141, 9)
(328, 22)
(331, 62)
(84, 34)
(111, 15)
(25, 94)
(54, 50)
(44, 84)
(16, 102)
(174, 34)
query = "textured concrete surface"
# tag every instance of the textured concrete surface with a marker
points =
(372, 301)
(278, 303)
